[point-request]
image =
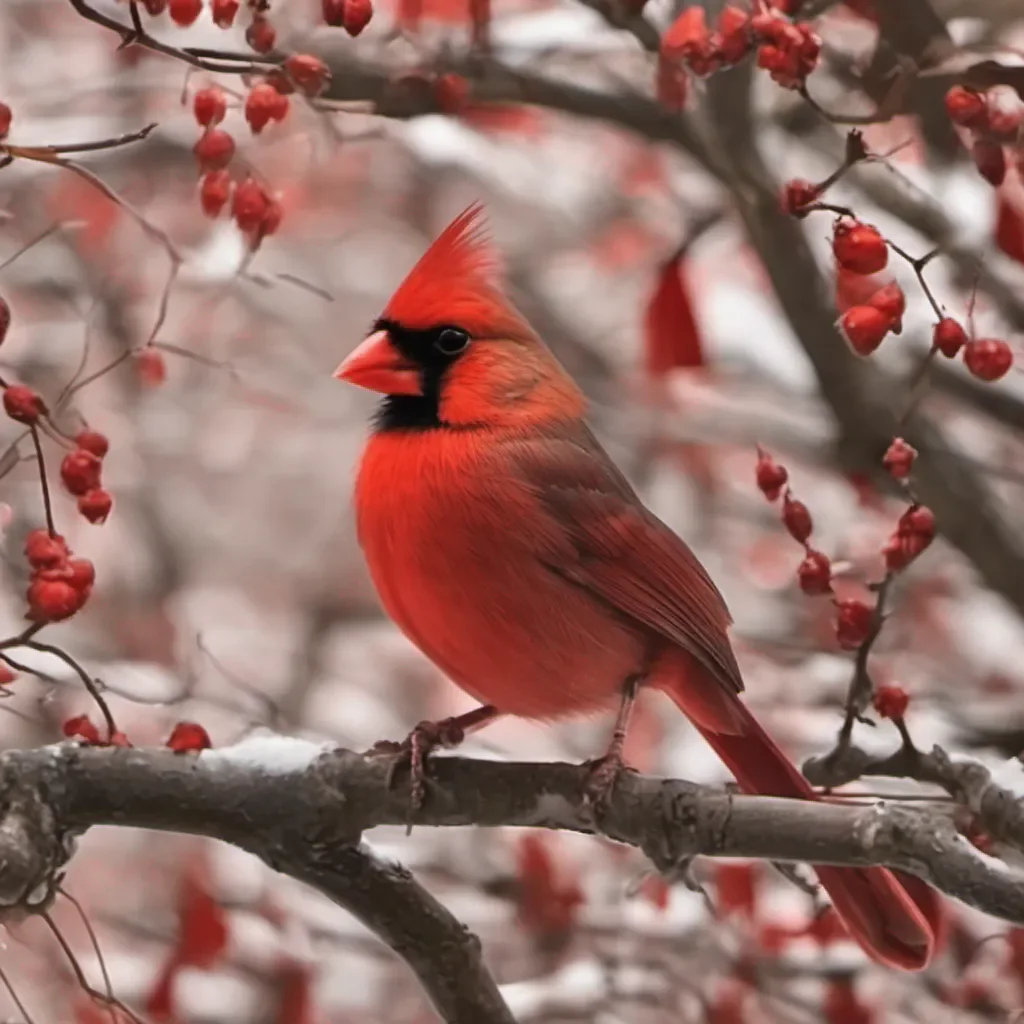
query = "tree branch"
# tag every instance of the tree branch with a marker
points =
(303, 808)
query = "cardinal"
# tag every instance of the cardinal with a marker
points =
(508, 547)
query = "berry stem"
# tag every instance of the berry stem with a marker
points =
(90, 684)
(47, 506)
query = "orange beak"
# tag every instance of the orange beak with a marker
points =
(378, 366)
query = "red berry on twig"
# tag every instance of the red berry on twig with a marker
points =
(899, 459)
(263, 105)
(81, 728)
(80, 471)
(966, 107)
(209, 106)
(891, 701)
(814, 574)
(214, 191)
(949, 337)
(214, 149)
(890, 300)
(151, 366)
(224, 12)
(309, 73)
(865, 328)
(188, 738)
(23, 404)
(797, 518)
(988, 358)
(356, 15)
(853, 623)
(93, 441)
(261, 35)
(45, 551)
(184, 12)
(859, 247)
(798, 195)
(95, 505)
(770, 476)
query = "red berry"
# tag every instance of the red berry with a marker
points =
(82, 574)
(188, 738)
(734, 33)
(209, 106)
(80, 471)
(261, 35)
(23, 404)
(224, 12)
(81, 728)
(918, 520)
(798, 195)
(915, 531)
(5, 120)
(93, 441)
(333, 12)
(44, 551)
(214, 149)
(52, 600)
(966, 107)
(859, 247)
(990, 159)
(96, 505)
(263, 105)
(688, 40)
(7, 674)
(5, 319)
(891, 701)
(815, 573)
(891, 301)
(151, 366)
(797, 518)
(899, 459)
(988, 358)
(309, 73)
(865, 328)
(214, 191)
(853, 623)
(451, 92)
(250, 205)
(184, 12)
(948, 337)
(771, 477)
(356, 15)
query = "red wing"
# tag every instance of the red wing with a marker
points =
(623, 554)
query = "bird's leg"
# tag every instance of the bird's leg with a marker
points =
(428, 736)
(604, 772)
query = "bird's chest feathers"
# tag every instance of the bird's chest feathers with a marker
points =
(431, 513)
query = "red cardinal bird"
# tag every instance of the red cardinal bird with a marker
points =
(512, 552)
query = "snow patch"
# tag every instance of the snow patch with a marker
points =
(269, 752)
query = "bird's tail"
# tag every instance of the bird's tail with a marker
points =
(895, 917)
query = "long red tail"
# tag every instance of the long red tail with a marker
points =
(895, 917)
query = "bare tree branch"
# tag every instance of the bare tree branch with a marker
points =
(305, 817)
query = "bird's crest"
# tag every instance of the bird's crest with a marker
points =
(456, 281)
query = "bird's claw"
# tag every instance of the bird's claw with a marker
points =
(602, 775)
(413, 751)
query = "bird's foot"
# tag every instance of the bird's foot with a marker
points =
(602, 775)
(413, 751)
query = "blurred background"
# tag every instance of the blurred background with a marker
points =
(230, 589)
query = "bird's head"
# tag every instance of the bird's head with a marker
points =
(451, 350)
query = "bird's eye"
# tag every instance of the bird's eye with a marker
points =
(451, 341)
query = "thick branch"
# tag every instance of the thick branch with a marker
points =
(306, 817)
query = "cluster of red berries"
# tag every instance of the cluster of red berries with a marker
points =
(60, 585)
(993, 128)
(988, 359)
(814, 573)
(352, 15)
(788, 51)
(80, 473)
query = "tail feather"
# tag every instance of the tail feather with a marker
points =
(895, 917)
